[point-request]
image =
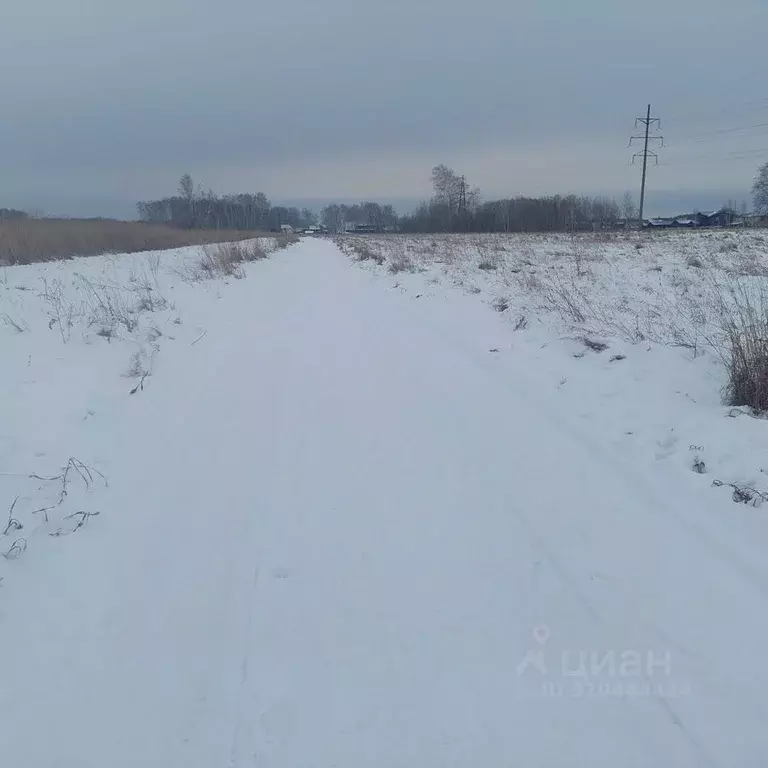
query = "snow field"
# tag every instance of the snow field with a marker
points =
(360, 515)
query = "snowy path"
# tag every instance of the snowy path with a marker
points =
(334, 534)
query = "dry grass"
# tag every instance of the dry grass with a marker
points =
(705, 291)
(30, 241)
(361, 249)
(743, 313)
(401, 262)
(226, 259)
(284, 239)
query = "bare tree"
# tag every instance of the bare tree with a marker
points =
(187, 193)
(628, 207)
(186, 187)
(389, 216)
(760, 191)
(454, 202)
(445, 184)
(333, 218)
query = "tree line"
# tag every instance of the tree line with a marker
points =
(193, 208)
(8, 214)
(455, 206)
(381, 218)
(557, 213)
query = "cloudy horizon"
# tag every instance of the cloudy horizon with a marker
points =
(110, 104)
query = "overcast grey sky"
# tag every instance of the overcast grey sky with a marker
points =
(109, 102)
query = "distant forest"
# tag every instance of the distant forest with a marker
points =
(10, 214)
(193, 208)
(453, 207)
(457, 207)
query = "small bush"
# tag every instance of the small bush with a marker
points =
(214, 263)
(401, 263)
(748, 369)
(240, 252)
(364, 253)
(285, 239)
(136, 367)
(744, 319)
(105, 304)
(226, 259)
(140, 366)
(564, 296)
(144, 288)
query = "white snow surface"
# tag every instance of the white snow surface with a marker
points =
(357, 519)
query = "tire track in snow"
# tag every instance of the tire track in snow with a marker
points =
(570, 583)
(545, 410)
(658, 508)
(237, 749)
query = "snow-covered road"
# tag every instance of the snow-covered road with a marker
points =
(341, 534)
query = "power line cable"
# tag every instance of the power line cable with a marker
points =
(721, 131)
(737, 155)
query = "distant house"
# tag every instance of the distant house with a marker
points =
(723, 217)
(286, 229)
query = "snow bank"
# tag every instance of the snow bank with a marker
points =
(79, 340)
(656, 302)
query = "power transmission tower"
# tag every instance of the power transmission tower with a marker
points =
(647, 121)
(463, 202)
